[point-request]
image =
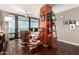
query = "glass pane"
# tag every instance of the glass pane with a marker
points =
(20, 18)
(34, 23)
(22, 25)
(11, 26)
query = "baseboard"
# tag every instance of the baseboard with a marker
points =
(68, 42)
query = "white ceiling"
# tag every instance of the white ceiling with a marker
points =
(63, 7)
(23, 9)
(31, 9)
(34, 9)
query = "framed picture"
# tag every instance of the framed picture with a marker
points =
(43, 17)
(77, 23)
(72, 22)
(72, 26)
(66, 22)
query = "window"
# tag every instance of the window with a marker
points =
(23, 24)
(11, 23)
(11, 26)
(34, 23)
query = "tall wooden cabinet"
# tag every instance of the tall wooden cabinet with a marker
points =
(47, 23)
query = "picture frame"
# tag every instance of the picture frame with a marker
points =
(66, 22)
(72, 21)
(77, 23)
(72, 26)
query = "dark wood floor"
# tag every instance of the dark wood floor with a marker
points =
(14, 47)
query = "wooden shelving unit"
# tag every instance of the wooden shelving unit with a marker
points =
(46, 24)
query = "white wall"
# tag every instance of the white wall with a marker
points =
(0, 18)
(63, 31)
(4, 24)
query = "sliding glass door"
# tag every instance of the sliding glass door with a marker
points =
(23, 24)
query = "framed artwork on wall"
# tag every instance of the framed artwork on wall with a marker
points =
(72, 26)
(77, 23)
(72, 21)
(65, 22)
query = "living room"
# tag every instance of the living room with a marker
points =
(39, 29)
